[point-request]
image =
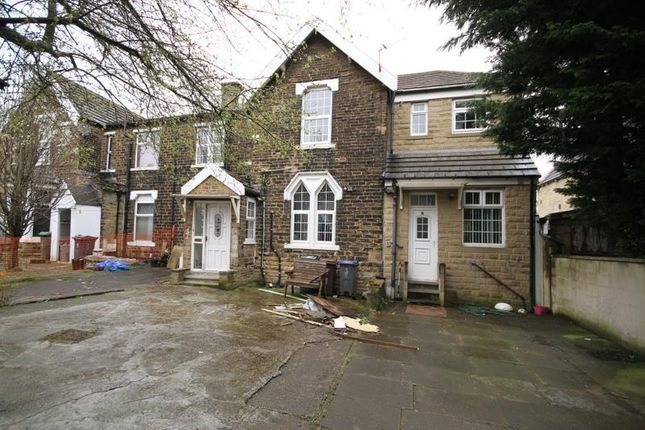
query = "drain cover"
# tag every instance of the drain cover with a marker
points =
(70, 335)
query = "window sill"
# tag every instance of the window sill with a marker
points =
(313, 246)
(460, 132)
(418, 136)
(201, 166)
(139, 169)
(484, 245)
(249, 242)
(108, 171)
(141, 243)
(327, 145)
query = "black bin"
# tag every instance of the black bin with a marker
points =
(347, 277)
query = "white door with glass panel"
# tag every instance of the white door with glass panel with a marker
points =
(212, 236)
(422, 258)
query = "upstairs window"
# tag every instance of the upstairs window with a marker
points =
(316, 116)
(464, 118)
(109, 137)
(147, 150)
(251, 208)
(317, 99)
(419, 119)
(483, 218)
(45, 137)
(210, 141)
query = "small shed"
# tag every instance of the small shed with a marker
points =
(77, 212)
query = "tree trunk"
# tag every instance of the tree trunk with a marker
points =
(13, 255)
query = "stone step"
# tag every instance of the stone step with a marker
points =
(424, 290)
(203, 275)
(200, 283)
(424, 301)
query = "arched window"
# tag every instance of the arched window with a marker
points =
(326, 204)
(300, 211)
(313, 210)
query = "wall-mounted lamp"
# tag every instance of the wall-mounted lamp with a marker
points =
(451, 195)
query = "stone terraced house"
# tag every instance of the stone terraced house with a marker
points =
(390, 171)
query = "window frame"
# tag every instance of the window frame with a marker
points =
(313, 183)
(216, 131)
(304, 117)
(250, 240)
(138, 144)
(143, 197)
(109, 136)
(456, 110)
(483, 205)
(413, 114)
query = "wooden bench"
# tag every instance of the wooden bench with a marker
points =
(307, 273)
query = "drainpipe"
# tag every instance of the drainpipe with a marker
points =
(532, 268)
(118, 208)
(126, 204)
(275, 251)
(395, 212)
(262, 274)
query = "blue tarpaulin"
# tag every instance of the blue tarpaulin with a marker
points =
(112, 265)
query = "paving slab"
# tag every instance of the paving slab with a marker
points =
(419, 420)
(301, 384)
(349, 413)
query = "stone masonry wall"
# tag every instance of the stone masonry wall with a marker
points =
(359, 133)
(465, 283)
(440, 135)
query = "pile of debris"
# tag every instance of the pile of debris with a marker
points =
(320, 312)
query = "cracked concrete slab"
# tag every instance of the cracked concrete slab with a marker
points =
(163, 357)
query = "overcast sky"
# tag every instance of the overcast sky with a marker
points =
(409, 37)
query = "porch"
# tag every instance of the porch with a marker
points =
(456, 232)
(213, 234)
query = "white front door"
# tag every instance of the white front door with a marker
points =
(216, 236)
(422, 257)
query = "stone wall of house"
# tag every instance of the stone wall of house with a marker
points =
(464, 282)
(177, 146)
(550, 201)
(359, 136)
(440, 134)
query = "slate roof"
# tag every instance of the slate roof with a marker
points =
(94, 107)
(433, 79)
(457, 163)
(553, 175)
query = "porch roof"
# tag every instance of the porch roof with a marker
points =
(457, 163)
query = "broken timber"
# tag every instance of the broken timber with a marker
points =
(343, 335)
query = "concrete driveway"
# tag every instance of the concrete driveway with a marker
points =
(166, 357)
(159, 357)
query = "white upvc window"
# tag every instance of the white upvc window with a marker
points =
(313, 211)
(45, 137)
(419, 119)
(109, 139)
(251, 213)
(464, 118)
(317, 101)
(483, 218)
(209, 144)
(147, 149)
(144, 210)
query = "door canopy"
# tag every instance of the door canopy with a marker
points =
(213, 180)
